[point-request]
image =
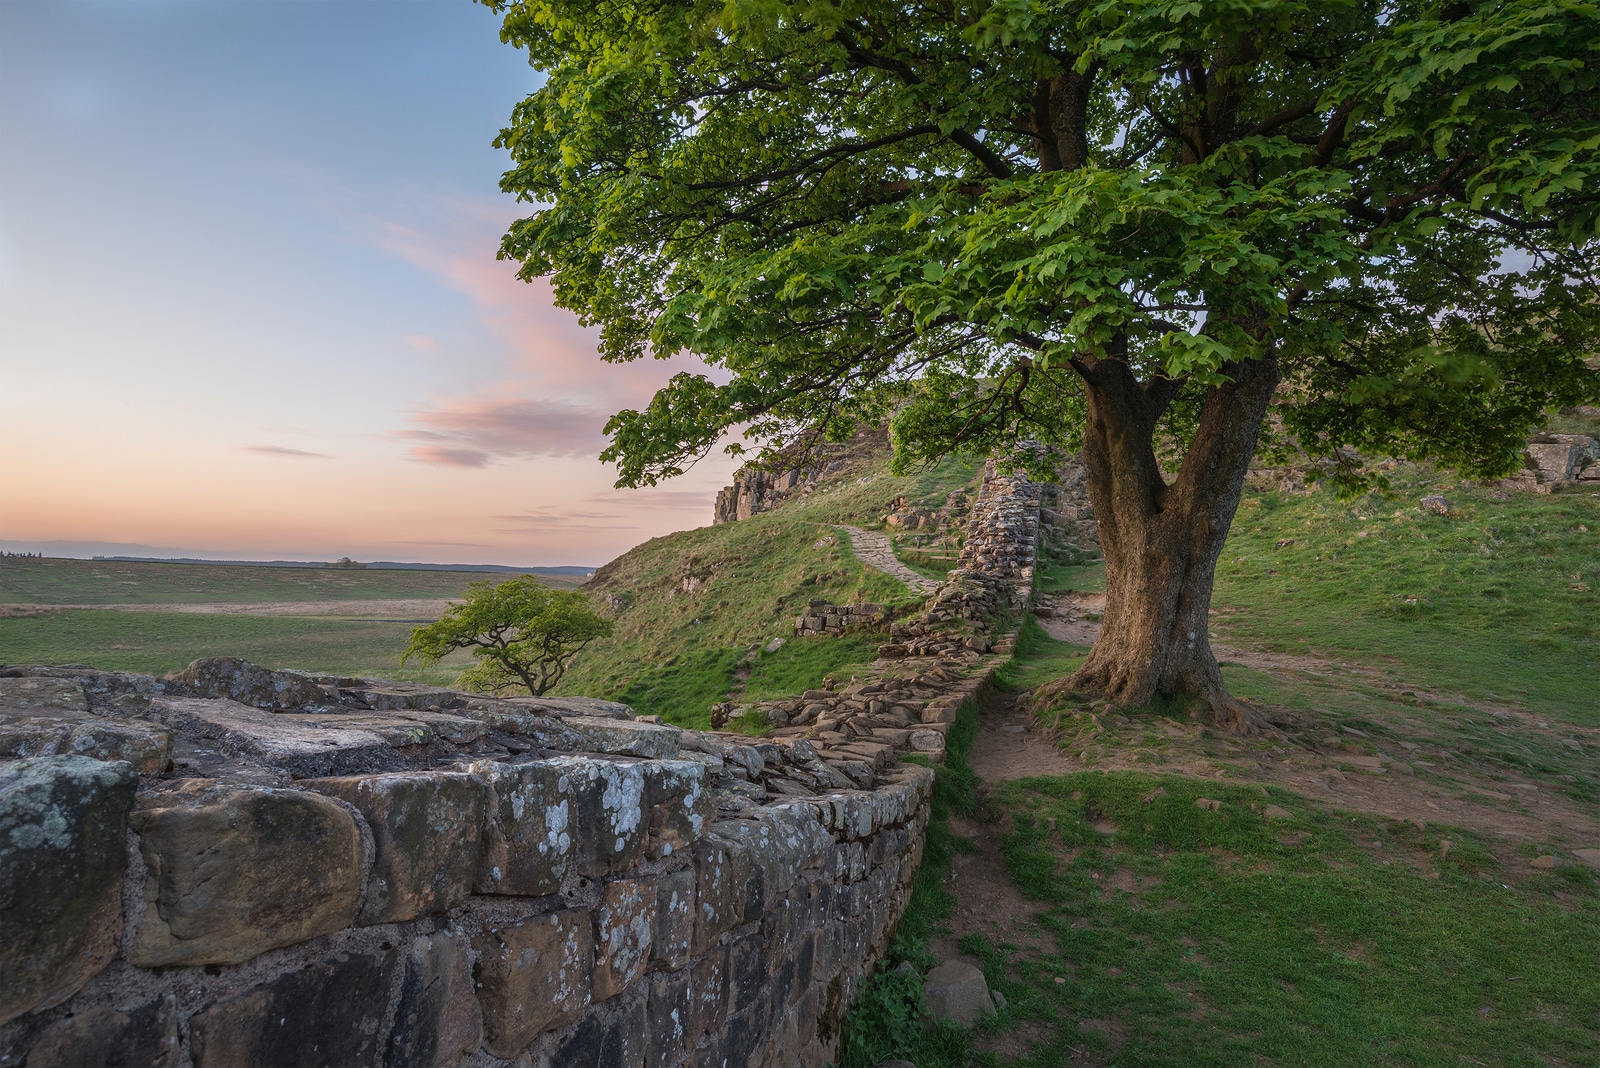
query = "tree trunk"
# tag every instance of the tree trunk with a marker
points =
(1162, 541)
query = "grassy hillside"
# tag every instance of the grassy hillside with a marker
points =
(695, 609)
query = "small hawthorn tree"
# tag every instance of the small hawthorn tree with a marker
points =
(1133, 227)
(520, 632)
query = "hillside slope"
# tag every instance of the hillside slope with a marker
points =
(695, 610)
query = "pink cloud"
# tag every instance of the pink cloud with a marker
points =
(279, 450)
(470, 431)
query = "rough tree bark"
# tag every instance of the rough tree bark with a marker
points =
(1162, 541)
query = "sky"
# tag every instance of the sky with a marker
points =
(250, 306)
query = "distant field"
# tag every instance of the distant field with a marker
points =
(27, 580)
(334, 639)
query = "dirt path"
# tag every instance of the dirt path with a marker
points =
(406, 611)
(873, 549)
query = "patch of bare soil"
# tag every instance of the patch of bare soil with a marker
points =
(1068, 622)
(1012, 744)
(987, 902)
(424, 610)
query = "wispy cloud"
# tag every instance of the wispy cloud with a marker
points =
(469, 432)
(279, 450)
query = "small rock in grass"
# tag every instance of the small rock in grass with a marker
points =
(957, 991)
(1436, 504)
(1547, 861)
(1207, 803)
(1061, 980)
(1590, 857)
(1273, 812)
(1152, 795)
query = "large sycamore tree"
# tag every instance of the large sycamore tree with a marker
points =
(1161, 231)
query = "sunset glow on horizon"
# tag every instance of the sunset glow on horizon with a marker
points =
(250, 305)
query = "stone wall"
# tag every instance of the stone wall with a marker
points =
(238, 866)
(1553, 462)
(822, 618)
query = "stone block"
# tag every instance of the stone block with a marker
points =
(624, 929)
(719, 898)
(400, 696)
(680, 802)
(41, 717)
(533, 977)
(573, 706)
(747, 1029)
(708, 994)
(667, 1019)
(624, 737)
(328, 1012)
(747, 969)
(608, 801)
(956, 991)
(674, 920)
(277, 741)
(437, 1020)
(400, 730)
(239, 680)
(625, 1040)
(234, 871)
(427, 829)
(63, 850)
(531, 828)
(145, 1034)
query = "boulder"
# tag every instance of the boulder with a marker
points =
(50, 727)
(63, 850)
(42, 695)
(957, 991)
(427, 831)
(237, 870)
(239, 680)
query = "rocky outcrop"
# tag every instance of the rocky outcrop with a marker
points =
(387, 873)
(761, 487)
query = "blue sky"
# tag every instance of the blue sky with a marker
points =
(249, 304)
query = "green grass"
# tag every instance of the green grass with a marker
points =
(802, 663)
(1038, 658)
(34, 580)
(160, 642)
(1318, 940)
(1495, 601)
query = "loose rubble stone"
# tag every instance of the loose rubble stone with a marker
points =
(437, 1020)
(957, 991)
(244, 682)
(327, 1013)
(427, 830)
(234, 871)
(533, 977)
(63, 822)
(145, 1034)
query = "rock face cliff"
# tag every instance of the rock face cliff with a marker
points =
(761, 487)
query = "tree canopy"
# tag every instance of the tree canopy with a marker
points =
(519, 631)
(844, 204)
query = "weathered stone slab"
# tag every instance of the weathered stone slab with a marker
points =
(398, 696)
(531, 827)
(608, 801)
(574, 706)
(533, 977)
(624, 931)
(42, 695)
(40, 732)
(329, 1012)
(276, 740)
(437, 1020)
(237, 870)
(624, 737)
(540, 728)
(100, 1035)
(63, 849)
(239, 680)
(427, 829)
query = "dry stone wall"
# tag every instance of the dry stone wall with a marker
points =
(240, 866)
